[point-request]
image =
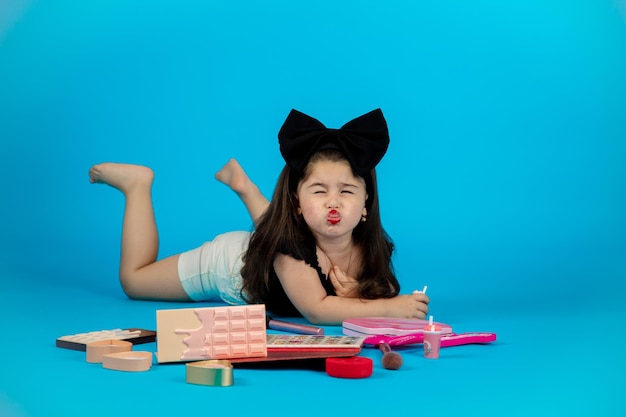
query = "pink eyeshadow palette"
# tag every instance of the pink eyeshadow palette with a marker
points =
(194, 334)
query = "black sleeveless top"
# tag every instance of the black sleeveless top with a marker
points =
(275, 298)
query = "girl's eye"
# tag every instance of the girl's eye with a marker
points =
(347, 192)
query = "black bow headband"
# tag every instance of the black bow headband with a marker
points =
(363, 140)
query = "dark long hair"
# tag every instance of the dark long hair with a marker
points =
(282, 230)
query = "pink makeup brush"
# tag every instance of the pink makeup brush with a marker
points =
(391, 360)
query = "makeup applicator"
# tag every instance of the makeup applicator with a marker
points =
(391, 360)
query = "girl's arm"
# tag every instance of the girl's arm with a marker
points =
(302, 286)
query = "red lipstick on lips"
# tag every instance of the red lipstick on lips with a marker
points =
(333, 217)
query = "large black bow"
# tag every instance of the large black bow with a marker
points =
(363, 140)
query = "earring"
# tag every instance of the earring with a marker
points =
(364, 215)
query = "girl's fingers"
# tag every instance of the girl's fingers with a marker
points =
(421, 297)
(332, 274)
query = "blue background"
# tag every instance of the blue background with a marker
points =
(503, 187)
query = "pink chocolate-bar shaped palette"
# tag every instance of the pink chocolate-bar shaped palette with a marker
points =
(364, 326)
(192, 334)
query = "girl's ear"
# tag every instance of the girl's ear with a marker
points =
(297, 204)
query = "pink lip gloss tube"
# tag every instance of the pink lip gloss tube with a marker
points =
(293, 327)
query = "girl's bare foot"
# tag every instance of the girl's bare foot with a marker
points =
(124, 177)
(234, 176)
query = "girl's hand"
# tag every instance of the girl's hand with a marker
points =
(409, 306)
(344, 285)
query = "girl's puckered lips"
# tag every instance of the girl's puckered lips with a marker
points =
(333, 217)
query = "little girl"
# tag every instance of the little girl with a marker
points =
(318, 249)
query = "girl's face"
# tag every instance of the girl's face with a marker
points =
(331, 199)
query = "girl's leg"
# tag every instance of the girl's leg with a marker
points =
(141, 275)
(234, 177)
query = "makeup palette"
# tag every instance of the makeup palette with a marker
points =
(193, 334)
(365, 326)
(79, 341)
